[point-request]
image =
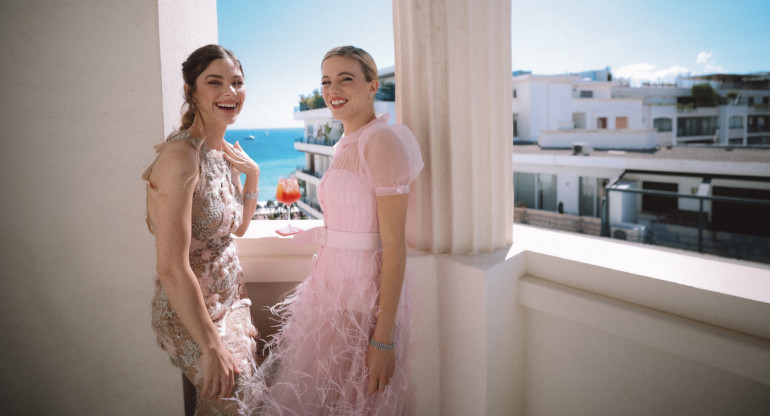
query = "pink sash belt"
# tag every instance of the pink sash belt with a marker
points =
(339, 239)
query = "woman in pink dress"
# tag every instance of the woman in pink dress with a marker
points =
(195, 201)
(342, 346)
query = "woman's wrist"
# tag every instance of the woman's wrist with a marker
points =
(382, 346)
(211, 342)
(251, 195)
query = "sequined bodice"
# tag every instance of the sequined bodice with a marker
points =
(217, 209)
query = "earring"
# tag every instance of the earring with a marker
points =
(371, 94)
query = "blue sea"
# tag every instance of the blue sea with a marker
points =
(273, 150)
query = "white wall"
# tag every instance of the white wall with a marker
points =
(559, 106)
(568, 192)
(620, 329)
(624, 206)
(662, 111)
(83, 105)
(599, 139)
(616, 107)
(522, 107)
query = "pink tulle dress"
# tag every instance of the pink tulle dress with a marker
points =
(316, 364)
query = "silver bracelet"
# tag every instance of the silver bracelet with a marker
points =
(251, 195)
(381, 346)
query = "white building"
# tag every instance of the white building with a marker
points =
(559, 110)
(595, 135)
(322, 132)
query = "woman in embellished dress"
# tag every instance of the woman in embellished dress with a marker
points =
(195, 202)
(342, 348)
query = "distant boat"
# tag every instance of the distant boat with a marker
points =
(249, 138)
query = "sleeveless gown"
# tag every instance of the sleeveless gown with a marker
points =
(217, 212)
(316, 364)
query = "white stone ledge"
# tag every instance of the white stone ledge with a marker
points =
(267, 257)
(730, 351)
(705, 309)
(726, 293)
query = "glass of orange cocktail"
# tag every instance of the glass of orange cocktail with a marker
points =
(288, 193)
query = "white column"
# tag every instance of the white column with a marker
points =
(453, 71)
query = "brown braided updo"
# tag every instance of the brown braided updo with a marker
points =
(195, 64)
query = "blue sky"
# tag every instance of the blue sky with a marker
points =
(281, 43)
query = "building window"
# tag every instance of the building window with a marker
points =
(662, 124)
(515, 128)
(546, 192)
(536, 191)
(601, 123)
(751, 100)
(621, 122)
(586, 94)
(514, 93)
(758, 140)
(579, 120)
(310, 130)
(592, 191)
(659, 204)
(696, 126)
(736, 122)
(759, 124)
(524, 190)
(740, 218)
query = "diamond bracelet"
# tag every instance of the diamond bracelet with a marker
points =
(381, 346)
(251, 195)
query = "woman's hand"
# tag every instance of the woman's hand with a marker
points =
(219, 370)
(381, 365)
(239, 159)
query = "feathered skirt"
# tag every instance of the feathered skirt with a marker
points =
(316, 363)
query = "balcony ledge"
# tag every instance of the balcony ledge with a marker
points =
(724, 292)
(686, 309)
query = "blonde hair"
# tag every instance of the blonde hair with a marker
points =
(364, 59)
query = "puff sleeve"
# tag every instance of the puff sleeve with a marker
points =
(391, 159)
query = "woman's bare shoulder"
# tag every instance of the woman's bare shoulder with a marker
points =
(176, 164)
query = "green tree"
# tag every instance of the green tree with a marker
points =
(312, 101)
(704, 95)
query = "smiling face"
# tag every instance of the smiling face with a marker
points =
(347, 93)
(219, 93)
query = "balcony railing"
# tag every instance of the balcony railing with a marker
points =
(310, 172)
(311, 203)
(316, 140)
(692, 230)
(567, 324)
